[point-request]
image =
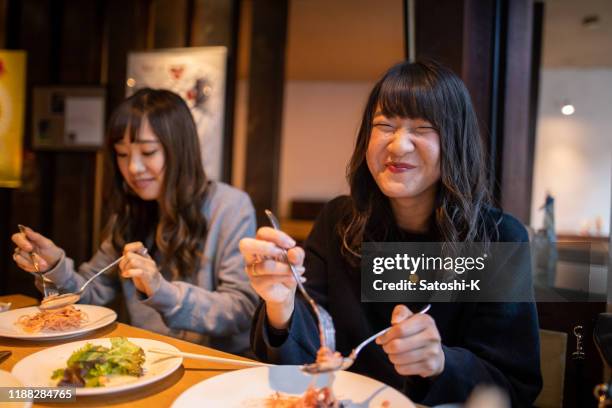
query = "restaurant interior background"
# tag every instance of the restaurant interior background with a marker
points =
(298, 73)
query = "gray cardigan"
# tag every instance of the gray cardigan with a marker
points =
(213, 309)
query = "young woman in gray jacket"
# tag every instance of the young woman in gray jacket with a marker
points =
(190, 283)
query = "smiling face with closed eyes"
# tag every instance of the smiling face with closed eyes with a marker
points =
(142, 162)
(403, 156)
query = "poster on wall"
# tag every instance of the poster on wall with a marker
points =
(12, 106)
(68, 118)
(198, 76)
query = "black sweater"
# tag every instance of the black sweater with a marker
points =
(494, 343)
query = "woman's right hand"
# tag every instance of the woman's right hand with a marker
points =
(47, 254)
(269, 275)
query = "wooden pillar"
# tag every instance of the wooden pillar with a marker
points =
(216, 23)
(477, 63)
(444, 45)
(465, 45)
(517, 140)
(266, 87)
(489, 44)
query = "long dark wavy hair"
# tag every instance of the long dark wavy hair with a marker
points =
(175, 220)
(429, 91)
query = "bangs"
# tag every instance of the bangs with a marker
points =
(409, 92)
(128, 119)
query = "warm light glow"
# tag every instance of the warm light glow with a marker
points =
(131, 82)
(568, 109)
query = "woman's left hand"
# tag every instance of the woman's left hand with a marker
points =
(141, 268)
(413, 344)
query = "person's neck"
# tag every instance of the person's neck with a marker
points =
(413, 214)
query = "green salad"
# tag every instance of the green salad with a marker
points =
(91, 365)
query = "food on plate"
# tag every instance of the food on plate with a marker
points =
(93, 365)
(56, 301)
(312, 398)
(63, 319)
(327, 359)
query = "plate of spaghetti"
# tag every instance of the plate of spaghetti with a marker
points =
(32, 323)
(289, 387)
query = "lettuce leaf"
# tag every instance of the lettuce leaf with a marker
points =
(90, 363)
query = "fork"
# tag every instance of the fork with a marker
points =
(327, 332)
(69, 298)
(46, 290)
(348, 361)
(345, 362)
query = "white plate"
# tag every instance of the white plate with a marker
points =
(249, 388)
(36, 369)
(98, 316)
(9, 380)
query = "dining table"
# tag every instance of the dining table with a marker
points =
(158, 394)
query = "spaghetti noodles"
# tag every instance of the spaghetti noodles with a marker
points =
(312, 398)
(62, 319)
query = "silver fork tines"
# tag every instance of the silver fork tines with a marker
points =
(327, 331)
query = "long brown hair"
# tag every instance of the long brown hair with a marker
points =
(432, 92)
(175, 220)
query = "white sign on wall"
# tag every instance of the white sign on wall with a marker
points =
(198, 75)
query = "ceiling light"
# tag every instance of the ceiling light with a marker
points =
(568, 109)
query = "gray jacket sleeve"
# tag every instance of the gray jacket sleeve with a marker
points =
(226, 310)
(101, 290)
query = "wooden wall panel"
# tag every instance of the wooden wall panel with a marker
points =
(29, 27)
(35, 35)
(79, 62)
(266, 86)
(128, 29)
(171, 23)
(73, 203)
(81, 42)
(3, 30)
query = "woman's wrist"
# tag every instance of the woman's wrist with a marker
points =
(279, 314)
(52, 263)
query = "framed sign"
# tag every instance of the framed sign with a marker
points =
(196, 74)
(68, 118)
(12, 108)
